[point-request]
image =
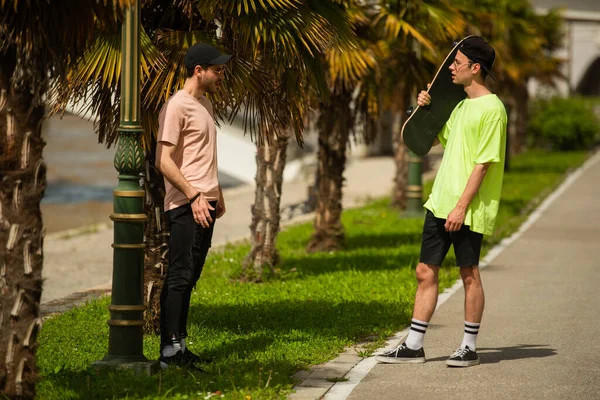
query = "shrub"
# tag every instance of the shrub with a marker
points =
(563, 123)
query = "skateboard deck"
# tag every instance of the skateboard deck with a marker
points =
(425, 123)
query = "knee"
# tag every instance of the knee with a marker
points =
(470, 276)
(426, 274)
(179, 281)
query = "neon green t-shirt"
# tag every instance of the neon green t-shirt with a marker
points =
(474, 134)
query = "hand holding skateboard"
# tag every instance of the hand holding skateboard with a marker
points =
(422, 127)
(424, 99)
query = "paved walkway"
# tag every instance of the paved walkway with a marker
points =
(76, 262)
(538, 338)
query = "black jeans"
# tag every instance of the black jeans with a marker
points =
(188, 246)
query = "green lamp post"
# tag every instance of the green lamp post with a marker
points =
(125, 343)
(414, 188)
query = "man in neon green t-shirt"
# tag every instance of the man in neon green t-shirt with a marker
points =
(463, 204)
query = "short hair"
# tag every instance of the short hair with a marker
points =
(190, 71)
(484, 73)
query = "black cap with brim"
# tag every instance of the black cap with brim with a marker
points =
(479, 51)
(204, 54)
(222, 59)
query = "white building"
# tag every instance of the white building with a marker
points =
(582, 44)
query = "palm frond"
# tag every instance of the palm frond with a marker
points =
(170, 77)
(349, 67)
(94, 81)
(242, 7)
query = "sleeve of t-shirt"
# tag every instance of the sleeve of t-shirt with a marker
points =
(445, 132)
(491, 139)
(170, 123)
(443, 135)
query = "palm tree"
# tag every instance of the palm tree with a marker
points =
(388, 66)
(353, 105)
(32, 53)
(287, 39)
(273, 72)
(418, 36)
(168, 30)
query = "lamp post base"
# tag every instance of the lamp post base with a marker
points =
(140, 366)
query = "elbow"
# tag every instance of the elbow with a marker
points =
(483, 168)
(158, 165)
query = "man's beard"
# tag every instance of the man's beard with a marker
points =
(212, 89)
(208, 88)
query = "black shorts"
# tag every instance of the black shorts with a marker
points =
(436, 243)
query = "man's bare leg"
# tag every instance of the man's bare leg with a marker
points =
(474, 296)
(425, 302)
(427, 291)
(465, 355)
(411, 351)
(474, 305)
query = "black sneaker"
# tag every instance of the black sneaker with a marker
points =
(177, 360)
(403, 355)
(192, 358)
(463, 358)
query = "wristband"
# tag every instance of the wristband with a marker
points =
(193, 199)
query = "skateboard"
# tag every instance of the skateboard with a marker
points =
(425, 123)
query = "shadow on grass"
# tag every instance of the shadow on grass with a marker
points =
(513, 206)
(282, 336)
(382, 240)
(324, 263)
(222, 375)
(362, 252)
(89, 384)
(539, 167)
(361, 261)
(345, 319)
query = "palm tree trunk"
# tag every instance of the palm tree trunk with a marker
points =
(384, 141)
(401, 159)
(266, 215)
(22, 184)
(521, 99)
(335, 124)
(156, 260)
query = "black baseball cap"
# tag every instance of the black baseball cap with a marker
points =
(204, 54)
(479, 51)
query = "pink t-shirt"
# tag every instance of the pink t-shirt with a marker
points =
(188, 123)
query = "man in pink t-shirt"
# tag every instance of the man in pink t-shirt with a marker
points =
(186, 155)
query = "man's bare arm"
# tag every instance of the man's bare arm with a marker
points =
(457, 216)
(165, 164)
(221, 209)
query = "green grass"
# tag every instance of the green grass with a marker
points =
(262, 334)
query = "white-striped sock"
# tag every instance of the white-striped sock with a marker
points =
(470, 337)
(171, 349)
(414, 341)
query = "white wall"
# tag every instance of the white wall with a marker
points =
(585, 42)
